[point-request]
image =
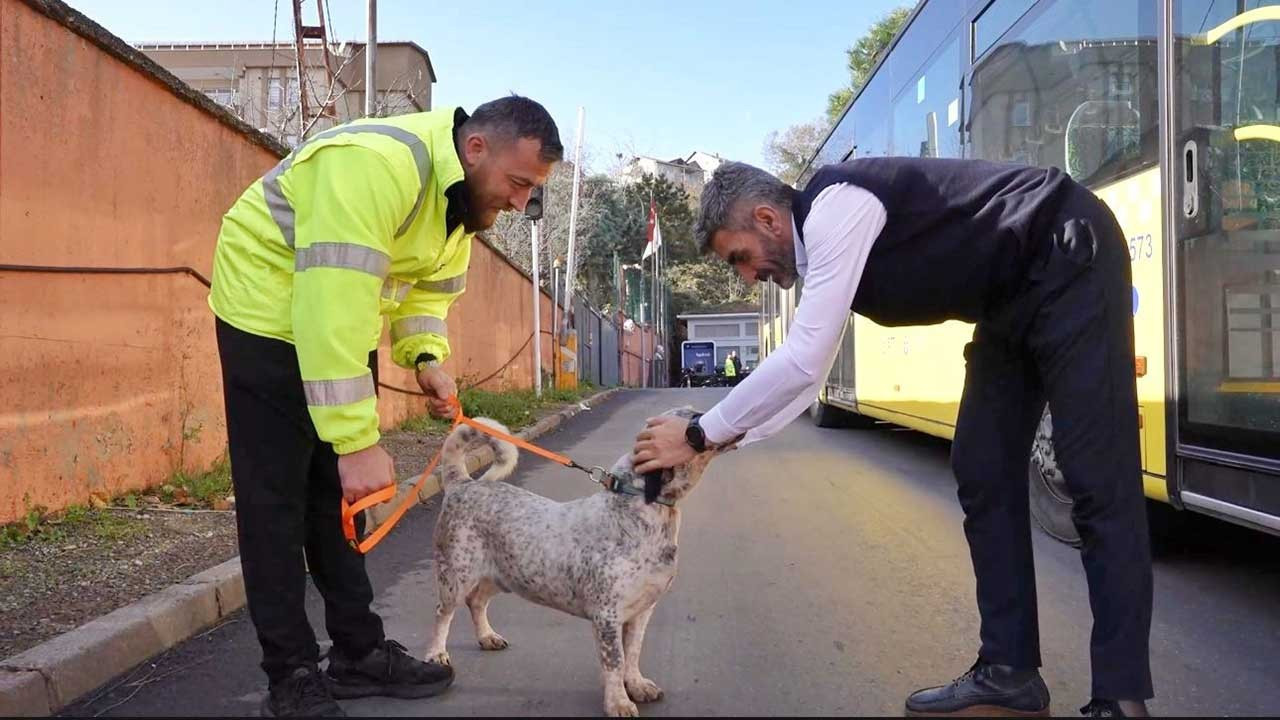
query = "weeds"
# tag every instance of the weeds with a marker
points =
(192, 489)
(513, 408)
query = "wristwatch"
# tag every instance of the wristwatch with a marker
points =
(694, 435)
(425, 360)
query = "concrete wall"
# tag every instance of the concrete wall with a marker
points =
(107, 382)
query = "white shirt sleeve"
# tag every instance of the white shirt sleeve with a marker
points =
(838, 234)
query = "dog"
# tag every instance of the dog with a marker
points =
(608, 557)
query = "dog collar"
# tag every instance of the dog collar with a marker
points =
(615, 484)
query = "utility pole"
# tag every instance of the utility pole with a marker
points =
(301, 32)
(537, 314)
(573, 221)
(371, 63)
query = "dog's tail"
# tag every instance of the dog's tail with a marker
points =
(453, 460)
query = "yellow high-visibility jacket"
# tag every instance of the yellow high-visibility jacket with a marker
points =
(349, 227)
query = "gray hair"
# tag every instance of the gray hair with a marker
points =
(732, 185)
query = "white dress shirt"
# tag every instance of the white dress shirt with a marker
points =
(839, 231)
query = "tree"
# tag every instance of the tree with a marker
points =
(863, 56)
(705, 285)
(675, 215)
(787, 155)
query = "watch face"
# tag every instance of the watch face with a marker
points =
(695, 437)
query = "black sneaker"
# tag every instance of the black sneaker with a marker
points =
(302, 694)
(986, 690)
(1114, 709)
(388, 670)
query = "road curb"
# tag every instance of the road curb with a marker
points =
(46, 678)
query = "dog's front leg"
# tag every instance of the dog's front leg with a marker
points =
(438, 651)
(608, 630)
(640, 688)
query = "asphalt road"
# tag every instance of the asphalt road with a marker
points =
(822, 572)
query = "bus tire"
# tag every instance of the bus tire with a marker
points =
(830, 416)
(1050, 502)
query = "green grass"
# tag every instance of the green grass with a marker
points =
(201, 488)
(513, 408)
(47, 528)
(39, 525)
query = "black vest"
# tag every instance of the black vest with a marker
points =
(958, 236)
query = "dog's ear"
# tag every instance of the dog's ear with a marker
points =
(652, 486)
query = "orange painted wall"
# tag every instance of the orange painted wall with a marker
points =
(111, 383)
(107, 383)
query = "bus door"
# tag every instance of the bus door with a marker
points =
(1224, 212)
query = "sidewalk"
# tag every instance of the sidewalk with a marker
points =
(52, 675)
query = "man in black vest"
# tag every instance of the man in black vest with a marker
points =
(1040, 265)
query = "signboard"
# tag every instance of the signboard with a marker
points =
(693, 352)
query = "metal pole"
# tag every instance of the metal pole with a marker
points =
(573, 218)
(617, 294)
(371, 62)
(555, 302)
(537, 313)
(654, 342)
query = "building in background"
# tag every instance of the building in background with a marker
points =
(259, 82)
(690, 173)
(730, 331)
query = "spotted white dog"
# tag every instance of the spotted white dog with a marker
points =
(607, 557)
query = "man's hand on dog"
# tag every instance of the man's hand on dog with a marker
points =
(439, 388)
(365, 472)
(661, 445)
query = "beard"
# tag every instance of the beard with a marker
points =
(783, 259)
(475, 218)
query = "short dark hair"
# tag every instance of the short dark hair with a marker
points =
(514, 117)
(732, 186)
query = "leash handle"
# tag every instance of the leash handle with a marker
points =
(350, 510)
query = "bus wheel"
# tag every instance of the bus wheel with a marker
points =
(830, 416)
(1050, 501)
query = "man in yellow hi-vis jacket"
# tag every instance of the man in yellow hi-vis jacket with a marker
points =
(366, 219)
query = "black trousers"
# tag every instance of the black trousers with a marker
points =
(288, 497)
(1065, 339)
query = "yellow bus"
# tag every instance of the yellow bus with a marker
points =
(1169, 110)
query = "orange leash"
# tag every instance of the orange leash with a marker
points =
(349, 511)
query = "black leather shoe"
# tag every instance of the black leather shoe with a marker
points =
(302, 694)
(1115, 708)
(987, 690)
(388, 670)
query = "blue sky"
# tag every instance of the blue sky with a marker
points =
(656, 78)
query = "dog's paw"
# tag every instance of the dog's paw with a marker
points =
(440, 658)
(493, 642)
(643, 690)
(621, 708)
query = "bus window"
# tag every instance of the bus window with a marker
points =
(1227, 131)
(870, 122)
(999, 16)
(926, 115)
(1072, 85)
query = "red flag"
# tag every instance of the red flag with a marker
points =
(653, 221)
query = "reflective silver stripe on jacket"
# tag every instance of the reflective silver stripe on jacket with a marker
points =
(282, 212)
(338, 392)
(417, 325)
(455, 284)
(343, 255)
(399, 288)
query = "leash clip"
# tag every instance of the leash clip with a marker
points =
(601, 477)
